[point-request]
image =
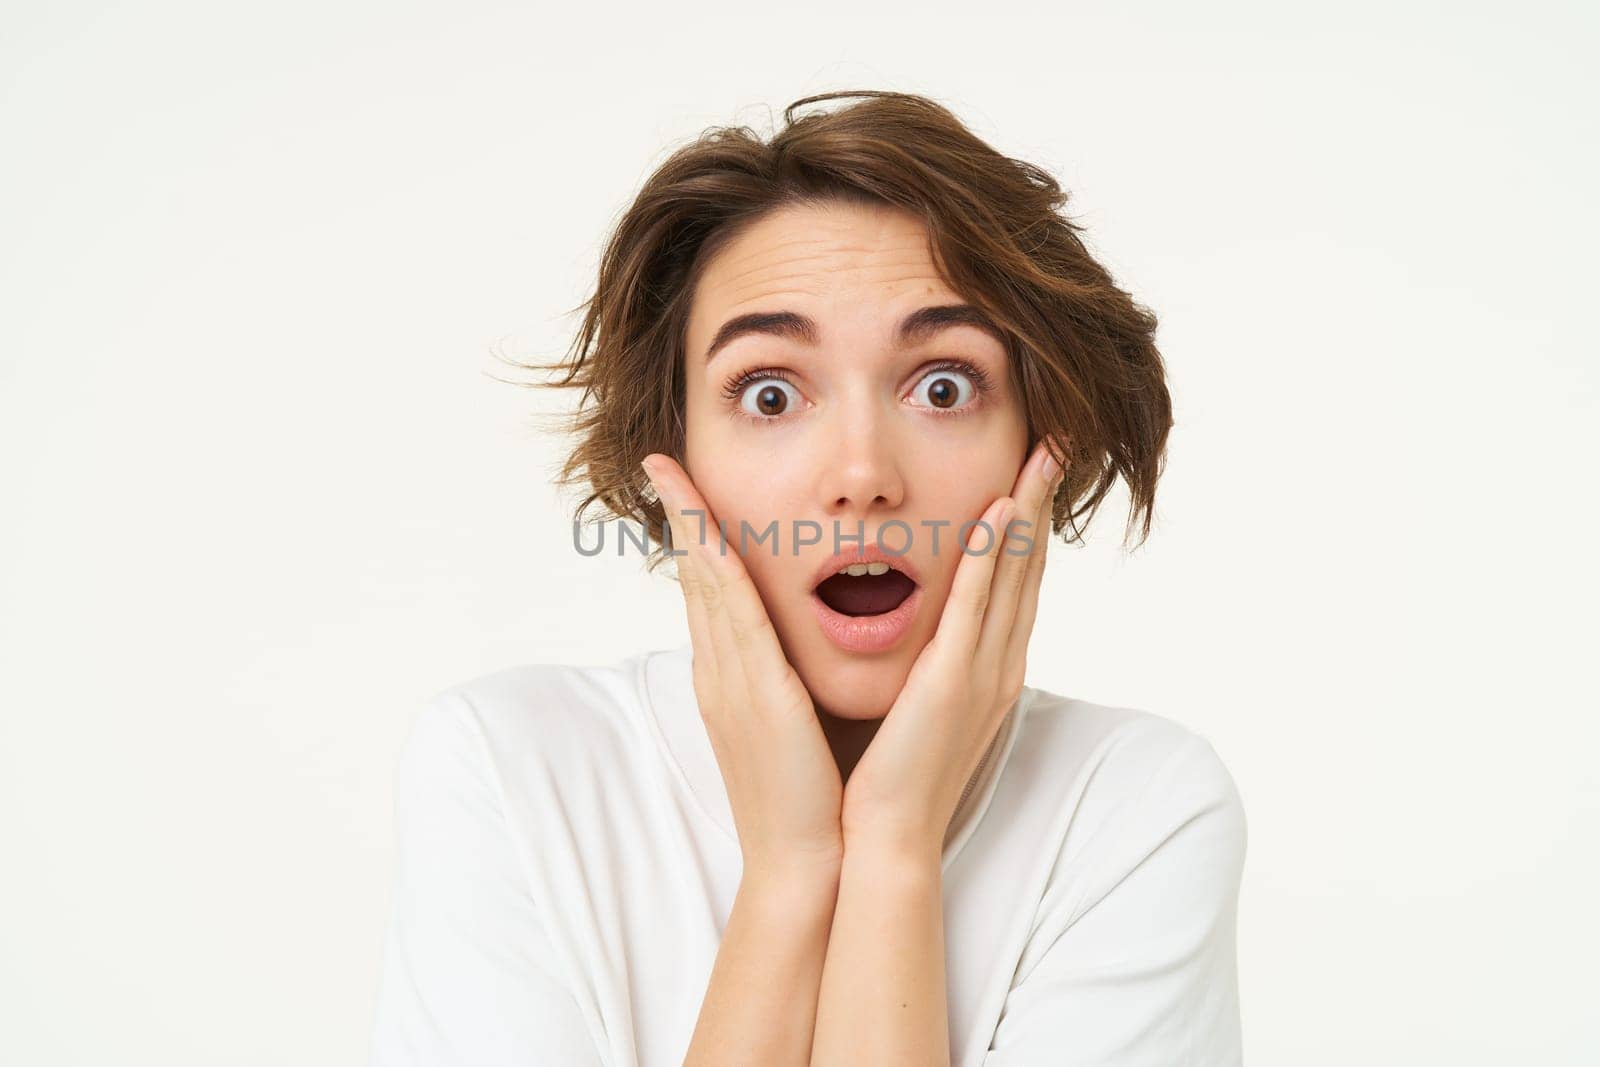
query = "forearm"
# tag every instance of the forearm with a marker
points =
(761, 1002)
(882, 999)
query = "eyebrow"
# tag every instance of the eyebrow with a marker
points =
(914, 328)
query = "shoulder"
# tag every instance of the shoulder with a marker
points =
(1146, 774)
(1134, 750)
(556, 714)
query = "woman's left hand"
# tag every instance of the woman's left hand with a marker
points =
(906, 786)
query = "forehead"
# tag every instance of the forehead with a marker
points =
(865, 256)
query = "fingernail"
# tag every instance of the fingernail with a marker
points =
(1051, 467)
(651, 476)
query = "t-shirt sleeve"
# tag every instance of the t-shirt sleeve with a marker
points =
(467, 978)
(1137, 962)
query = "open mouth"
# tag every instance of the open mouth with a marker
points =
(866, 605)
(876, 590)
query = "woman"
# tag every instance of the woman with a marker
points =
(852, 379)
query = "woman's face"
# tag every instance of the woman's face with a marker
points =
(842, 418)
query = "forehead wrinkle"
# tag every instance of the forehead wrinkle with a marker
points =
(750, 246)
(768, 259)
(772, 242)
(795, 275)
(761, 297)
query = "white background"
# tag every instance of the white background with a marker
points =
(262, 494)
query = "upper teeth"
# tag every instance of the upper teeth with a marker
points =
(856, 570)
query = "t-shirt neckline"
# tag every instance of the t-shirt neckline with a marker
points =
(674, 715)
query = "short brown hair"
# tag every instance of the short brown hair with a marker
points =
(1082, 352)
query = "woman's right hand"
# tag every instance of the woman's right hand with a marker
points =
(782, 780)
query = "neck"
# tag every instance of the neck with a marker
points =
(847, 738)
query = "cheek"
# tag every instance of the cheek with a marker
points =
(773, 577)
(738, 491)
(960, 501)
(960, 491)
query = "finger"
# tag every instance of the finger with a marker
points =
(1011, 572)
(969, 593)
(1016, 655)
(691, 581)
(695, 547)
(719, 559)
(739, 626)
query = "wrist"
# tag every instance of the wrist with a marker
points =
(896, 833)
(894, 850)
(794, 881)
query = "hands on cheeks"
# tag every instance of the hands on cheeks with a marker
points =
(792, 813)
(905, 789)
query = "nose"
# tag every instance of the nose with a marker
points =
(861, 474)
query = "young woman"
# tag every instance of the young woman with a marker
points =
(852, 379)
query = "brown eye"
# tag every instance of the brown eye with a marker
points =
(766, 398)
(946, 389)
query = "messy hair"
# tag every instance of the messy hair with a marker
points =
(1082, 352)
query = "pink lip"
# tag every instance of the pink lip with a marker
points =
(866, 633)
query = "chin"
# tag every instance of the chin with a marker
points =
(851, 686)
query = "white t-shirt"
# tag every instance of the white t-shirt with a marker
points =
(567, 860)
